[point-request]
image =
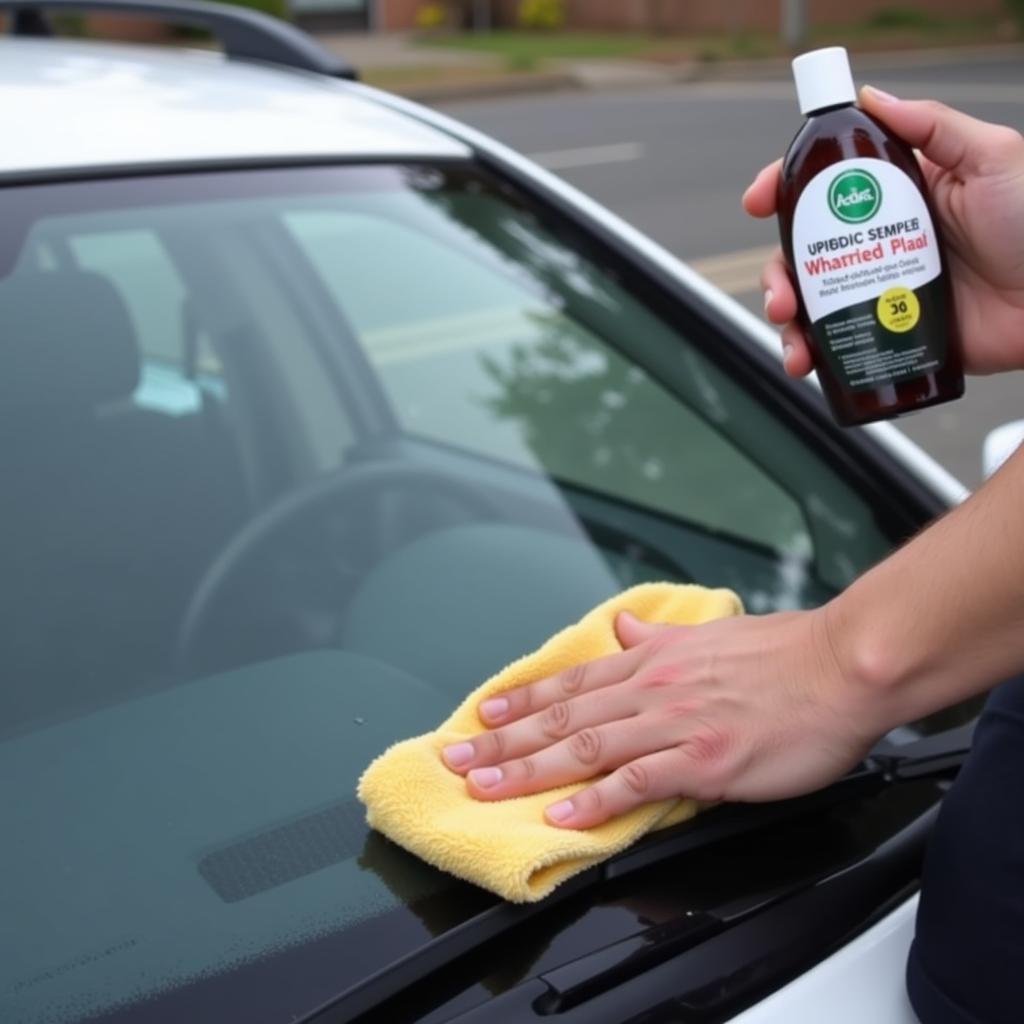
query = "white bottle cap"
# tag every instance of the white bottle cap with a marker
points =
(823, 79)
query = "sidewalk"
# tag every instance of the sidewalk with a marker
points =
(394, 61)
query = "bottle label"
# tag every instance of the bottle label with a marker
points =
(868, 265)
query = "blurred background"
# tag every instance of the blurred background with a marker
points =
(664, 110)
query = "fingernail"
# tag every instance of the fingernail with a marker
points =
(787, 351)
(458, 754)
(881, 94)
(560, 811)
(486, 777)
(767, 298)
(494, 708)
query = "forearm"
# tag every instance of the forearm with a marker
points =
(943, 618)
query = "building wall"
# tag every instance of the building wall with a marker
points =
(707, 15)
(392, 15)
(734, 15)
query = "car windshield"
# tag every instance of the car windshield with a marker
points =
(293, 459)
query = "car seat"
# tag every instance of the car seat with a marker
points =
(110, 511)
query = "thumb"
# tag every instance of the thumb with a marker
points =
(947, 137)
(632, 632)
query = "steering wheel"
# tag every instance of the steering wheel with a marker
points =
(301, 508)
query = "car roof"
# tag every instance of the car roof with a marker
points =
(70, 105)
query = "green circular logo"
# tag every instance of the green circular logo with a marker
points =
(854, 196)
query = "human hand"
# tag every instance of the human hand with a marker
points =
(975, 172)
(750, 708)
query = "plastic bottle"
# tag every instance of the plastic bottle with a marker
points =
(862, 244)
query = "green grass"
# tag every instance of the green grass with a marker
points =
(894, 27)
(894, 33)
(902, 17)
(541, 46)
(527, 51)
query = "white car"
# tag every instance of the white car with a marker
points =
(317, 408)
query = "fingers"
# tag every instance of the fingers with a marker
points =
(632, 631)
(780, 308)
(779, 297)
(780, 305)
(759, 199)
(646, 780)
(796, 353)
(583, 755)
(952, 140)
(524, 700)
(561, 718)
(542, 729)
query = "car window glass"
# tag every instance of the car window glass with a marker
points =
(514, 376)
(430, 423)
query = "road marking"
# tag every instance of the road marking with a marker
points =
(590, 156)
(735, 272)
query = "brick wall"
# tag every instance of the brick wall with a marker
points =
(710, 15)
(674, 15)
(396, 14)
(733, 15)
(118, 26)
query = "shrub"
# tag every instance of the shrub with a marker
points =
(431, 16)
(541, 14)
(278, 8)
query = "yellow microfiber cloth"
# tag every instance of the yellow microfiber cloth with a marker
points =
(506, 846)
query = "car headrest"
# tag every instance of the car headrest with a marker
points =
(66, 343)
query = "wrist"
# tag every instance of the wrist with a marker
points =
(875, 676)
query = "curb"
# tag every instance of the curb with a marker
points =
(489, 88)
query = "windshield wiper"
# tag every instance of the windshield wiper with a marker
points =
(929, 756)
(888, 764)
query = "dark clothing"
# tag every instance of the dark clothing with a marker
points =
(967, 962)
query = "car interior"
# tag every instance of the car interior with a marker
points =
(195, 481)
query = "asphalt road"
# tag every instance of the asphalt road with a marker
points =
(675, 160)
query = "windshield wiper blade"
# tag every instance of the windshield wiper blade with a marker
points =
(887, 764)
(927, 757)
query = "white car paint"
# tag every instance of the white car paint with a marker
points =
(111, 107)
(1000, 444)
(861, 984)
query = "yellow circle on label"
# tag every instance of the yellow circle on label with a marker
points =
(898, 310)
